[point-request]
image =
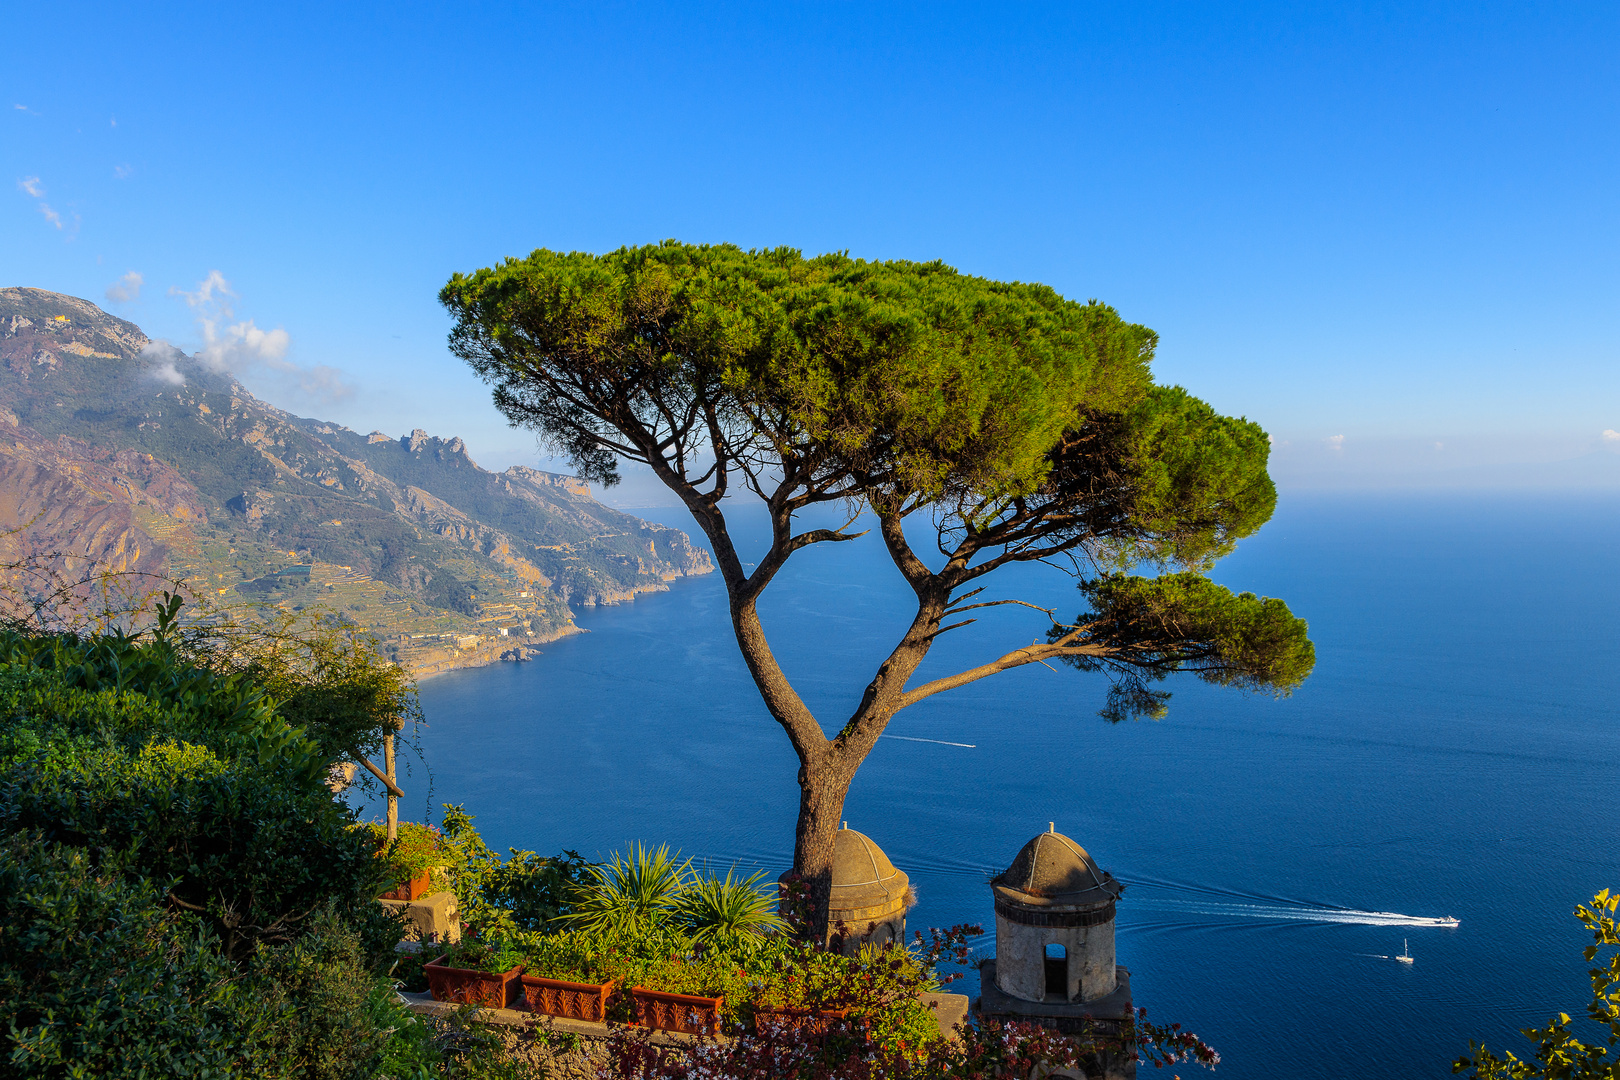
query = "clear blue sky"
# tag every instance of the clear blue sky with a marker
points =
(1387, 233)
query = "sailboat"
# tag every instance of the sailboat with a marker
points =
(1406, 956)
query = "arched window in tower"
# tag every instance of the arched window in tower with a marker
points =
(1057, 972)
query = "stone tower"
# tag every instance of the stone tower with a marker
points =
(1054, 961)
(1055, 923)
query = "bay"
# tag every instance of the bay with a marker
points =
(1457, 752)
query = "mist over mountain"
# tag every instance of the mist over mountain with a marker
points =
(128, 453)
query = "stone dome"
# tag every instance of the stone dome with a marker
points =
(865, 883)
(1052, 871)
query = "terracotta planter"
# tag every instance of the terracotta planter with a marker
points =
(414, 889)
(676, 1012)
(493, 990)
(575, 1001)
(809, 1021)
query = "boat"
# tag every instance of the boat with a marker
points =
(1406, 956)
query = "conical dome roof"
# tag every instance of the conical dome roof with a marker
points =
(862, 875)
(1052, 869)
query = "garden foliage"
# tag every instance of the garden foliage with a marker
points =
(647, 920)
(180, 892)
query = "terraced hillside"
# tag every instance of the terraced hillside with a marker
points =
(122, 453)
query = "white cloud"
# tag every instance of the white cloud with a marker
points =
(1335, 443)
(323, 383)
(242, 347)
(161, 355)
(1611, 436)
(123, 172)
(31, 185)
(206, 288)
(126, 288)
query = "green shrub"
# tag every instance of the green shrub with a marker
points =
(312, 1008)
(727, 912)
(228, 818)
(524, 892)
(632, 893)
(98, 979)
(180, 895)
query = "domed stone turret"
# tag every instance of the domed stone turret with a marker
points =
(869, 895)
(1054, 870)
(1055, 923)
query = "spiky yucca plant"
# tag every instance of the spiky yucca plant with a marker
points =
(632, 894)
(712, 909)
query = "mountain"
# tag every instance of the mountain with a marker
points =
(124, 454)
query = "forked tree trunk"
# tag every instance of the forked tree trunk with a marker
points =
(821, 804)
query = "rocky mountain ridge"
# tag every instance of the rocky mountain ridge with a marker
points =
(118, 451)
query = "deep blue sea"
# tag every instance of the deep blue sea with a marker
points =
(1457, 752)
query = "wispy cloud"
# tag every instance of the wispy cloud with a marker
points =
(1611, 436)
(31, 186)
(241, 347)
(161, 356)
(126, 288)
(211, 291)
(1335, 443)
(123, 172)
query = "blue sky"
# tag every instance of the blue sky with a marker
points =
(1387, 233)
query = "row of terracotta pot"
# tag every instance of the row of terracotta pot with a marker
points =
(659, 1009)
(575, 1001)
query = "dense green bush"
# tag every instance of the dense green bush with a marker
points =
(314, 1013)
(647, 919)
(180, 894)
(224, 808)
(97, 979)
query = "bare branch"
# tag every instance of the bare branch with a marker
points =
(998, 603)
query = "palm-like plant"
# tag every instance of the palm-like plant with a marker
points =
(712, 909)
(631, 895)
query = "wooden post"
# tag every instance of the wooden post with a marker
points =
(393, 800)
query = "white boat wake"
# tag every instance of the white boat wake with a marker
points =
(1298, 913)
(940, 742)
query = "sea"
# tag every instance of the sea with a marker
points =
(1455, 754)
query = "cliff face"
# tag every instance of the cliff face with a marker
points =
(132, 456)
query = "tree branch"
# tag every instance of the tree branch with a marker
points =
(1031, 654)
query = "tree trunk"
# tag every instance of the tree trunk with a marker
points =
(821, 802)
